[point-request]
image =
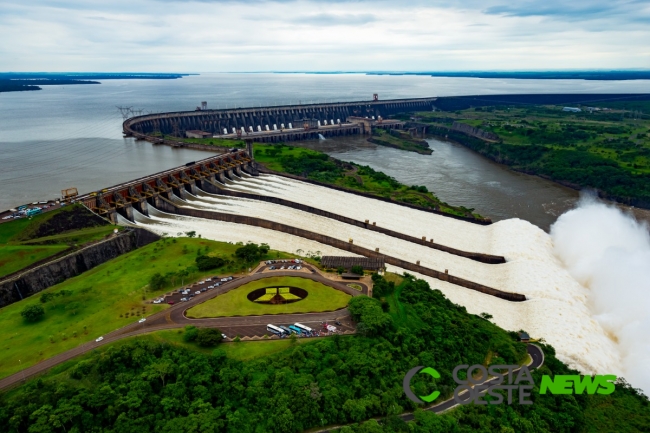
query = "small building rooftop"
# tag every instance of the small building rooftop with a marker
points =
(371, 264)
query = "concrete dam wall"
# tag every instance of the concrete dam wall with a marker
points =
(167, 206)
(479, 257)
(59, 270)
(215, 121)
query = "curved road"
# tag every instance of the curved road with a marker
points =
(537, 360)
(174, 317)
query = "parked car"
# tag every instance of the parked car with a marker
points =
(171, 302)
(99, 339)
(224, 336)
(208, 279)
(204, 289)
(198, 292)
(142, 320)
(183, 299)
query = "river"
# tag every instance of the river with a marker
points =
(70, 136)
(462, 177)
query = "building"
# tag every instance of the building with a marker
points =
(572, 109)
(197, 134)
(524, 337)
(368, 264)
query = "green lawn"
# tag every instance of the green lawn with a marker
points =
(99, 297)
(20, 247)
(235, 302)
(15, 257)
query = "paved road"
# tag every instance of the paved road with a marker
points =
(537, 360)
(174, 317)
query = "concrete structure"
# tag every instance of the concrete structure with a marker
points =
(330, 116)
(195, 133)
(141, 193)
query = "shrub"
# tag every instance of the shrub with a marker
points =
(33, 313)
(357, 270)
(190, 334)
(208, 337)
(205, 263)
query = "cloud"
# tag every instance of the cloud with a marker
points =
(232, 35)
(325, 19)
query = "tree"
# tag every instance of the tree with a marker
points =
(33, 313)
(157, 281)
(251, 252)
(205, 263)
(357, 270)
(46, 297)
(340, 270)
(190, 334)
(208, 337)
(190, 234)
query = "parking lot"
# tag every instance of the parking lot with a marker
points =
(199, 288)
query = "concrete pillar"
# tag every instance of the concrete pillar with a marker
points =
(191, 187)
(126, 212)
(112, 216)
(179, 192)
(142, 207)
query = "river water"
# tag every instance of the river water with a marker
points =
(70, 136)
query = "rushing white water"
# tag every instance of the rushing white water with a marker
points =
(609, 252)
(556, 309)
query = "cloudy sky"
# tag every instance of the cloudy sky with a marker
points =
(285, 35)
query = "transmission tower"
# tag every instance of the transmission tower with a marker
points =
(177, 132)
(125, 111)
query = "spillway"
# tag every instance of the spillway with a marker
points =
(556, 309)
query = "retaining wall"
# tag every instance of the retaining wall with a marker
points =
(169, 207)
(56, 271)
(479, 257)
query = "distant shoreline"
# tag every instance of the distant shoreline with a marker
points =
(613, 75)
(27, 81)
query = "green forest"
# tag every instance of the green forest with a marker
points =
(605, 147)
(341, 382)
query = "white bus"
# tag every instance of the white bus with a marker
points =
(274, 329)
(307, 329)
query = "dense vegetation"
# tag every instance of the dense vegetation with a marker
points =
(149, 386)
(26, 241)
(320, 167)
(399, 140)
(607, 150)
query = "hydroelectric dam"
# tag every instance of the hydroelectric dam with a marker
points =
(276, 123)
(170, 191)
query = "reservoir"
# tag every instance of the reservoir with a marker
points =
(70, 136)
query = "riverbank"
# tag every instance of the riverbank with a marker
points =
(314, 165)
(606, 149)
(399, 140)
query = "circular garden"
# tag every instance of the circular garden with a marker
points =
(272, 295)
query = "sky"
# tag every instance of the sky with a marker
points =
(287, 35)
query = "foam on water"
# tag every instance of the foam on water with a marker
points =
(556, 309)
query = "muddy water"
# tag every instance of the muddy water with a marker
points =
(462, 177)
